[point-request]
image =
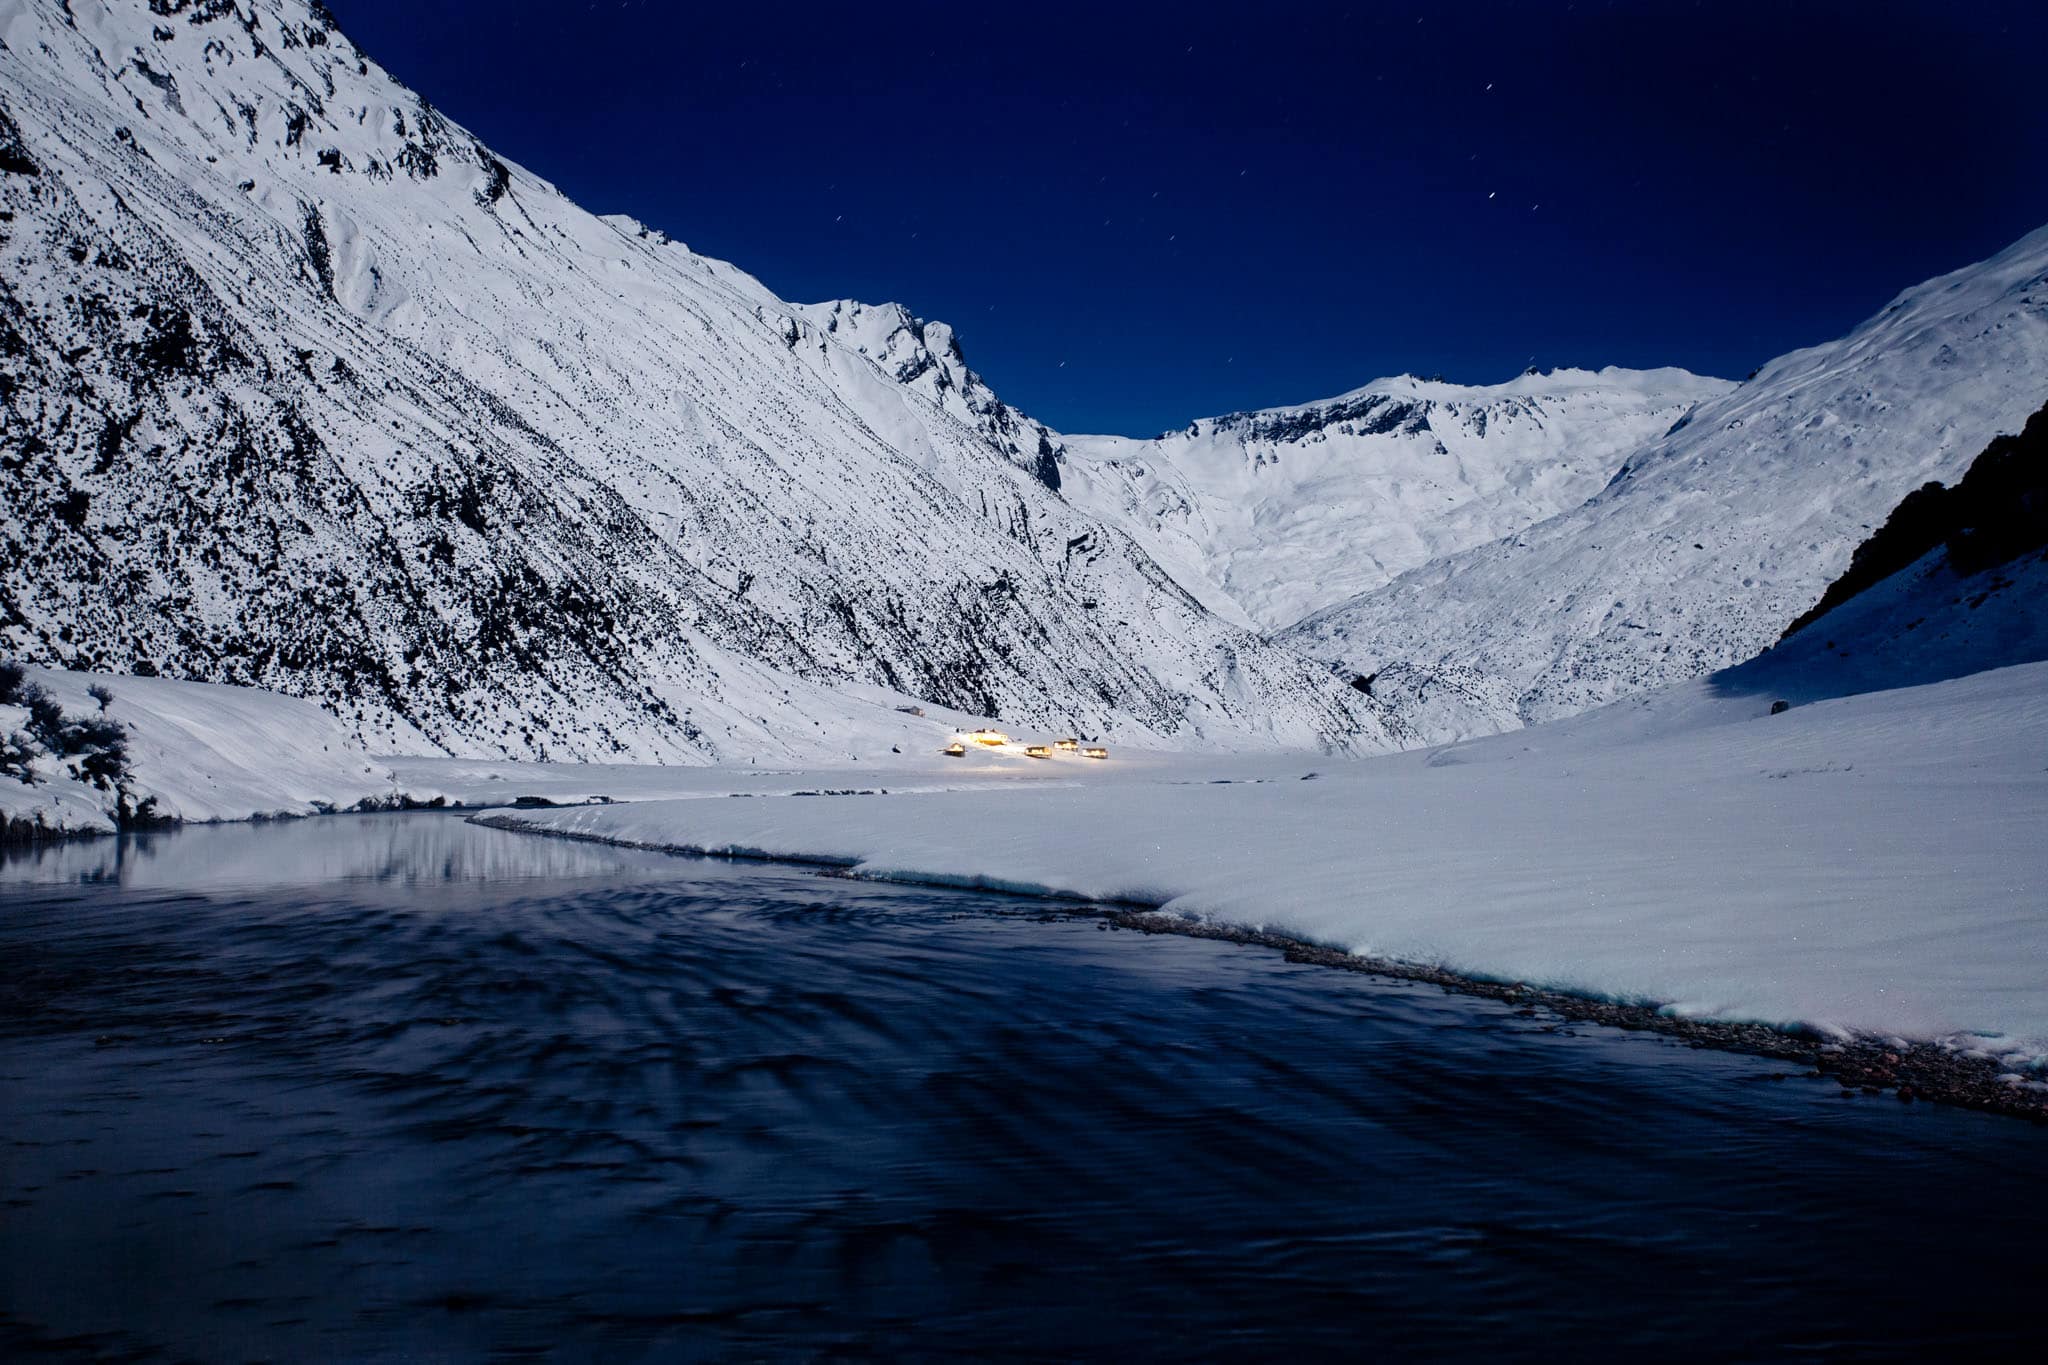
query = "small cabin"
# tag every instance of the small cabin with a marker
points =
(1095, 753)
(992, 738)
(1038, 751)
(1068, 745)
(956, 749)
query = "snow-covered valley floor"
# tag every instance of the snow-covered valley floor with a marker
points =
(1870, 865)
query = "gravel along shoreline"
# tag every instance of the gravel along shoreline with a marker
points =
(1910, 1073)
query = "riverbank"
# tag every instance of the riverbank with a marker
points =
(1909, 1072)
(201, 753)
(192, 753)
(1860, 868)
(1852, 880)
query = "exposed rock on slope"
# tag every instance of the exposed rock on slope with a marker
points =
(1708, 541)
(1998, 512)
(306, 388)
(1955, 582)
(927, 357)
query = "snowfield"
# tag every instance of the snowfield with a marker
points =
(204, 753)
(1870, 863)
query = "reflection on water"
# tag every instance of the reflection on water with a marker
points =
(398, 1085)
(426, 847)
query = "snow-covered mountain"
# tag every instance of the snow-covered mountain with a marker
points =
(1707, 542)
(306, 388)
(1268, 516)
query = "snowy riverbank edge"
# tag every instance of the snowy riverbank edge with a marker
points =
(1910, 1072)
(1863, 874)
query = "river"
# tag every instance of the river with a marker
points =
(378, 1086)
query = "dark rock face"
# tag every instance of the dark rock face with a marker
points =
(14, 157)
(1996, 512)
(1047, 467)
(1374, 414)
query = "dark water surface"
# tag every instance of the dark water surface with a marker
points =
(396, 1085)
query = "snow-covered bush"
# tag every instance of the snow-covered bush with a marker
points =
(17, 751)
(33, 725)
(101, 747)
(45, 717)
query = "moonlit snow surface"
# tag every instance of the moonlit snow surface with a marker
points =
(396, 1086)
(349, 406)
(1274, 514)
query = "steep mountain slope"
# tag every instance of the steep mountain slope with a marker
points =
(1996, 513)
(306, 388)
(1708, 541)
(1955, 582)
(1269, 515)
(1973, 601)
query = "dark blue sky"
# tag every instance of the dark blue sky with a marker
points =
(1139, 214)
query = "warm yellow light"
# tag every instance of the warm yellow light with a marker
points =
(1095, 753)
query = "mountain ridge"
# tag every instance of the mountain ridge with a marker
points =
(319, 393)
(1708, 541)
(314, 391)
(1272, 514)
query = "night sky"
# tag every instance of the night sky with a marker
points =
(1137, 214)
